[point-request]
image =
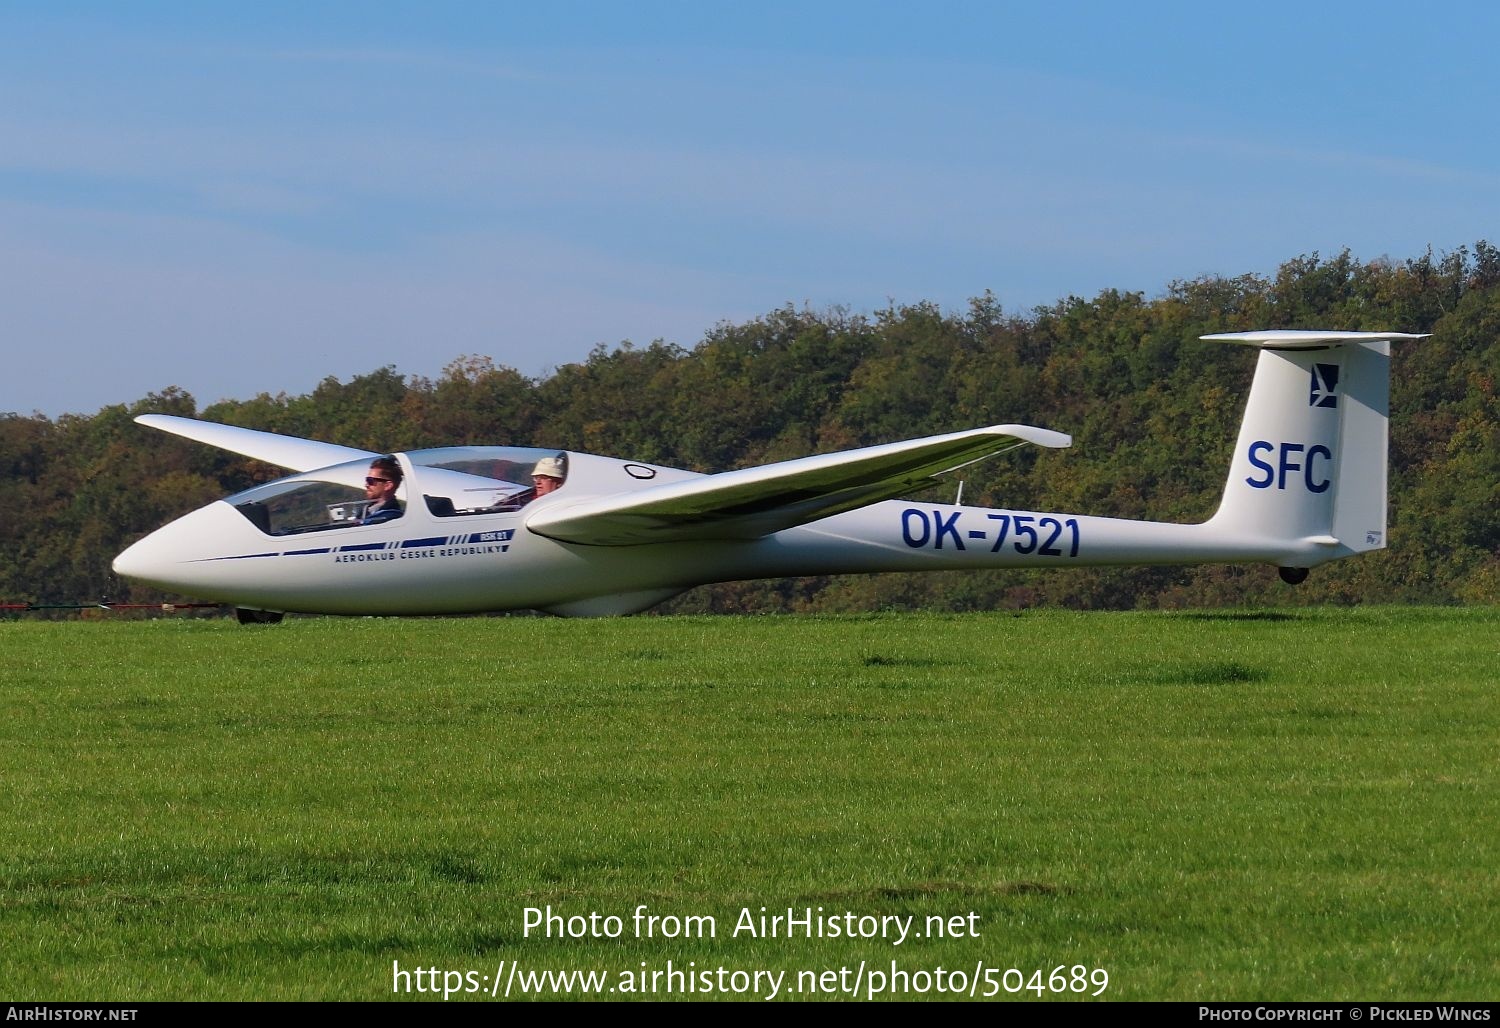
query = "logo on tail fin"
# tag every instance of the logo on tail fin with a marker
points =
(1325, 382)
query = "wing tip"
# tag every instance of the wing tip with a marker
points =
(1031, 434)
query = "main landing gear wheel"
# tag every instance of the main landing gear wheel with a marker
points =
(1293, 576)
(247, 616)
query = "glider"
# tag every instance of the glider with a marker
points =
(490, 528)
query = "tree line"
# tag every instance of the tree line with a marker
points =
(1153, 413)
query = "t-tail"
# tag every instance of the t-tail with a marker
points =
(1309, 468)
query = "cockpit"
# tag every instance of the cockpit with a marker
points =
(448, 482)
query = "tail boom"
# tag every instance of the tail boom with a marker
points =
(901, 536)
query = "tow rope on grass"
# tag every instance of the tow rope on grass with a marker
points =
(23, 608)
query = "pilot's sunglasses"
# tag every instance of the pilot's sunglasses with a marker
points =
(372, 481)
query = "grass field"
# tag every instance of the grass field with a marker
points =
(1263, 805)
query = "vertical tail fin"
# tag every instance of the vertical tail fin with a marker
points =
(1309, 467)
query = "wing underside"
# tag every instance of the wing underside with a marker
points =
(754, 502)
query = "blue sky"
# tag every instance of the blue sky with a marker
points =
(245, 198)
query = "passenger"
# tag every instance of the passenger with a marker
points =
(380, 487)
(548, 475)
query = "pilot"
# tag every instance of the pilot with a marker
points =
(548, 475)
(380, 488)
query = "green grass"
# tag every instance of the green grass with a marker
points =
(1269, 805)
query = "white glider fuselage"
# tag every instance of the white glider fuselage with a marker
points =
(1306, 486)
(420, 564)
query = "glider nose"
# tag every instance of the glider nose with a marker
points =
(194, 555)
(147, 561)
(172, 557)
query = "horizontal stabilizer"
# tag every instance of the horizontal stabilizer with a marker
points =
(1295, 339)
(757, 501)
(284, 451)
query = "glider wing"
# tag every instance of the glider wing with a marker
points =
(757, 501)
(284, 451)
